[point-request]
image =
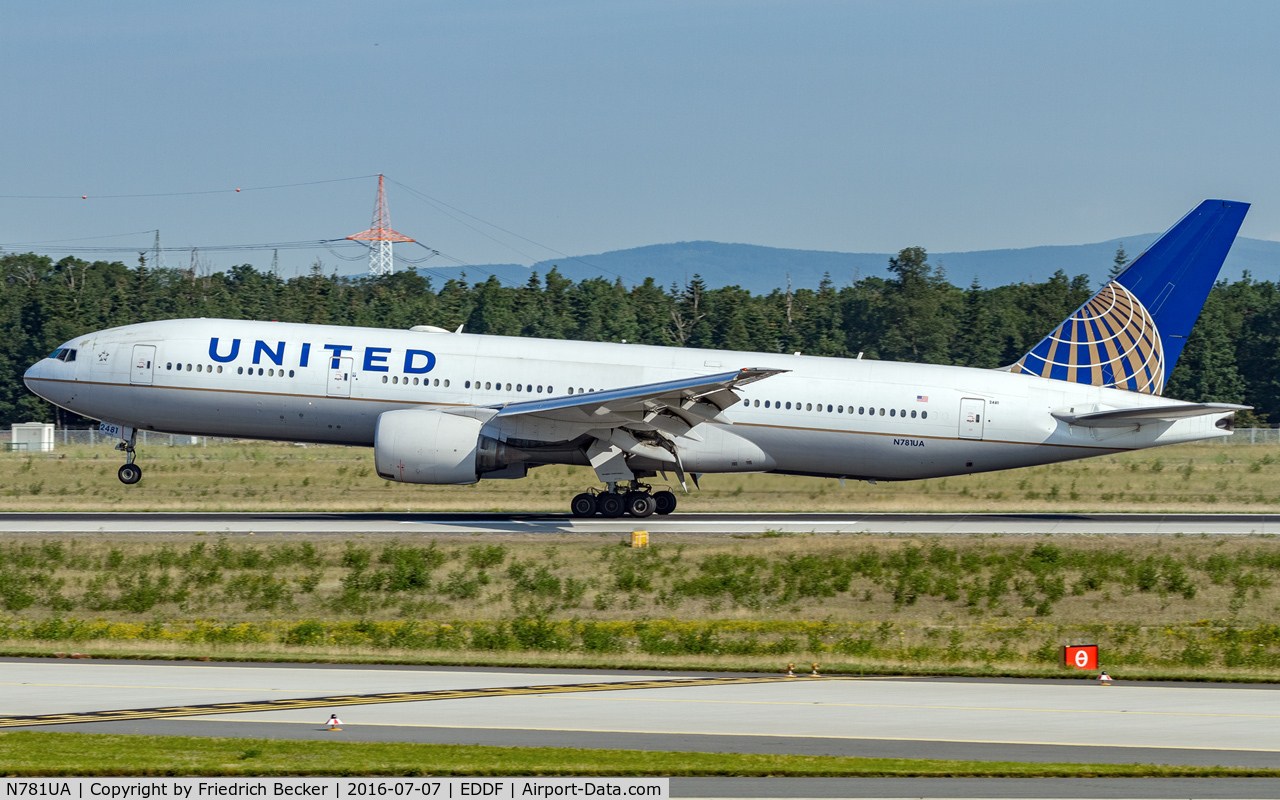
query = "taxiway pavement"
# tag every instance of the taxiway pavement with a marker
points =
(1033, 721)
(707, 524)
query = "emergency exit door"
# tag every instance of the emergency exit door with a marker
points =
(340, 377)
(143, 370)
(971, 413)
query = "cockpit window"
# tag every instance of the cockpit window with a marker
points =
(64, 354)
(56, 353)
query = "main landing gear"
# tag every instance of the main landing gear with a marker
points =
(639, 500)
(130, 473)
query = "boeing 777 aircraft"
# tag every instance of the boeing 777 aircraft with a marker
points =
(453, 408)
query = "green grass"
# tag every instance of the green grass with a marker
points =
(267, 476)
(1188, 607)
(36, 754)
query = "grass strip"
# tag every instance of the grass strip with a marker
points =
(44, 754)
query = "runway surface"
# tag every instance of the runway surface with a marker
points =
(1035, 721)
(707, 524)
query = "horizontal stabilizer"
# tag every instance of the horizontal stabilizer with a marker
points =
(1125, 417)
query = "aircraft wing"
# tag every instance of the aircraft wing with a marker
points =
(672, 407)
(1125, 417)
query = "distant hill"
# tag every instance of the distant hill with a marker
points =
(763, 269)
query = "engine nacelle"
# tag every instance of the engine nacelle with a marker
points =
(421, 446)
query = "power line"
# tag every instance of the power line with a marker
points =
(433, 201)
(178, 194)
(309, 244)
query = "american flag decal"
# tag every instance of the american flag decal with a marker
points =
(922, 398)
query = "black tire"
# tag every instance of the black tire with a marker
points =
(666, 502)
(611, 505)
(640, 504)
(583, 505)
(130, 474)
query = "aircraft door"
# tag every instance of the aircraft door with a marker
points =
(143, 370)
(972, 411)
(340, 377)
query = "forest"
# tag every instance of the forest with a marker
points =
(912, 314)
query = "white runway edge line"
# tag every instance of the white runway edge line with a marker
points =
(335, 788)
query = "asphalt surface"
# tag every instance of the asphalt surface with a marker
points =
(1076, 788)
(1032, 721)
(708, 524)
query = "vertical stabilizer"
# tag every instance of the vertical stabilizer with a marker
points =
(1129, 335)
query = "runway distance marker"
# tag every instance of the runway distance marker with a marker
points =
(164, 712)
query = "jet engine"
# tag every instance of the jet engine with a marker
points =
(420, 446)
(424, 446)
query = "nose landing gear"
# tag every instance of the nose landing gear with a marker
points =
(639, 501)
(130, 473)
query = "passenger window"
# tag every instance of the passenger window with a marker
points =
(828, 407)
(808, 406)
(757, 404)
(882, 412)
(466, 385)
(892, 413)
(766, 403)
(446, 382)
(239, 370)
(788, 405)
(839, 409)
(220, 370)
(550, 390)
(384, 378)
(861, 409)
(487, 384)
(424, 380)
(539, 389)
(508, 387)
(518, 385)
(924, 415)
(913, 414)
(290, 372)
(169, 366)
(903, 412)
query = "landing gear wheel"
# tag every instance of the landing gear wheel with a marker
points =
(130, 474)
(611, 505)
(666, 503)
(640, 504)
(583, 505)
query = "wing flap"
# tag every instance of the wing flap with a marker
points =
(686, 402)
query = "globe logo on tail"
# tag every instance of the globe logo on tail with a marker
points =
(1110, 341)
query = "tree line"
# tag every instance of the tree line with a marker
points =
(912, 314)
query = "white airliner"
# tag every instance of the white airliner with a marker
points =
(453, 408)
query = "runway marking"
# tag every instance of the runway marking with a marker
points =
(371, 699)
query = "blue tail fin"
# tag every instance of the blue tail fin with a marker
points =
(1130, 334)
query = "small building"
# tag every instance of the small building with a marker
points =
(32, 436)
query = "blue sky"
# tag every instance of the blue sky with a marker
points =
(586, 127)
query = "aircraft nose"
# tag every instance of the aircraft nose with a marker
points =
(34, 372)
